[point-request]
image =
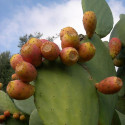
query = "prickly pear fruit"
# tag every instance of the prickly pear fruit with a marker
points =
(20, 90)
(43, 40)
(2, 118)
(118, 62)
(109, 85)
(35, 41)
(86, 51)
(16, 115)
(89, 22)
(15, 59)
(26, 71)
(50, 50)
(114, 47)
(1, 85)
(14, 76)
(69, 55)
(66, 30)
(7, 113)
(32, 54)
(70, 40)
(22, 117)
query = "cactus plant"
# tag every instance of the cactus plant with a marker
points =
(66, 94)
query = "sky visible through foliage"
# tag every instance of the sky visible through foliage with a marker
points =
(20, 17)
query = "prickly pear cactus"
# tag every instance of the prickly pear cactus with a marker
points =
(66, 94)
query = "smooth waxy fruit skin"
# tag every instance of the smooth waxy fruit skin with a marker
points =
(15, 59)
(7, 113)
(109, 85)
(14, 76)
(69, 55)
(114, 47)
(31, 53)
(20, 90)
(1, 85)
(89, 22)
(50, 50)
(26, 71)
(86, 51)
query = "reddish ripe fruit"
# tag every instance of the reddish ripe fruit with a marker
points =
(1, 85)
(66, 30)
(22, 117)
(32, 54)
(86, 51)
(50, 50)
(69, 56)
(15, 59)
(114, 47)
(89, 22)
(7, 113)
(16, 115)
(109, 85)
(26, 72)
(35, 41)
(44, 40)
(70, 40)
(20, 90)
(2, 117)
(14, 77)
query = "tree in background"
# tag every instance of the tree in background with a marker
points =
(5, 69)
(25, 38)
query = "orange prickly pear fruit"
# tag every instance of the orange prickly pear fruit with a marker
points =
(114, 47)
(35, 41)
(2, 118)
(7, 113)
(69, 37)
(16, 115)
(50, 50)
(32, 54)
(14, 76)
(109, 85)
(66, 30)
(26, 71)
(69, 56)
(89, 22)
(15, 59)
(1, 85)
(43, 40)
(19, 90)
(86, 51)
(22, 117)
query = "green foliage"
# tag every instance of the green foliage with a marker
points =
(34, 118)
(122, 117)
(5, 69)
(66, 95)
(103, 13)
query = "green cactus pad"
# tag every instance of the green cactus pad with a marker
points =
(65, 95)
(122, 117)
(100, 67)
(116, 120)
(6, 103)
(103, 14)
(26, 106)
(119, 30)
(12, 121)
(34, 118)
